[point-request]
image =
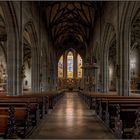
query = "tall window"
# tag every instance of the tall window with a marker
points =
(79, 59)
(60, 67)
(70, 65)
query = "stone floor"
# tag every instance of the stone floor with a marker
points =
(71, 119)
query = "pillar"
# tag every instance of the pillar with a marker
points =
(65, 66)
(75, 64)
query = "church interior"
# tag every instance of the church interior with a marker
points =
(69, 70)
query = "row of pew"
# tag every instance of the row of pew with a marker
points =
(20, 114)
(120, 114)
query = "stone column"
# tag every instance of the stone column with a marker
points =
(86, 75)
(105, 74)
(39, 54)
(14, 54)
(48, 76)
(83, 75)
(118, 56)
(35, 70)
(19, 65)
(65, 66)
(51, 77)
(55, 64)
(44, 73)
(75, 65)
(39, 71)
(96, 80)
(55, 72)
(125, 43)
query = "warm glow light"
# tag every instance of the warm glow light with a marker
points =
(132, 63)
(69, 111)
(110, 72)
(79, 59)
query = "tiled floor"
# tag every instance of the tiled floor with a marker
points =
(71, 119)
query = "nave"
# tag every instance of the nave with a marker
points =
(49, 47)
(71, 119)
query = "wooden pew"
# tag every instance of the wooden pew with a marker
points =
(24, 116)
(108, 114)
(26, 108)
(22, 121)
(100, 101)
(33, 102)
(51, 98)
(125, 120)
(41, 101)
(137, 125)
(21, 118)
(106, 108)
(6, 122)
(91, 98)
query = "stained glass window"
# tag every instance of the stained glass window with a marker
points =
(70, 65)
(79, 59)
(60, 67)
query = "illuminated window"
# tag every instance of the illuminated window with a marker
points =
(60, 67)
(70, 65)
(79, 59)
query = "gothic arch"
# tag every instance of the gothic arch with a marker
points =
(135, 52)
(108, 37)
(11, 42)
(71, 49)
(3, 52)
(96, 58)
(62, 51)
(31, 52)
(128, 13)
(3, 35)
(30, 27)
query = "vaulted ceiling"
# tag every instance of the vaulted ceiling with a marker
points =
(70, 23)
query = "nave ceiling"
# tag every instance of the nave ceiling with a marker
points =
(70, 23)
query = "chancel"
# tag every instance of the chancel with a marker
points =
(69, 69)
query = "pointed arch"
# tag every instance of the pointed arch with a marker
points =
(11, 42)
(109, 47)
(31, 54)
(134, 51)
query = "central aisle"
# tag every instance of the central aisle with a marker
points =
(71, 119)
